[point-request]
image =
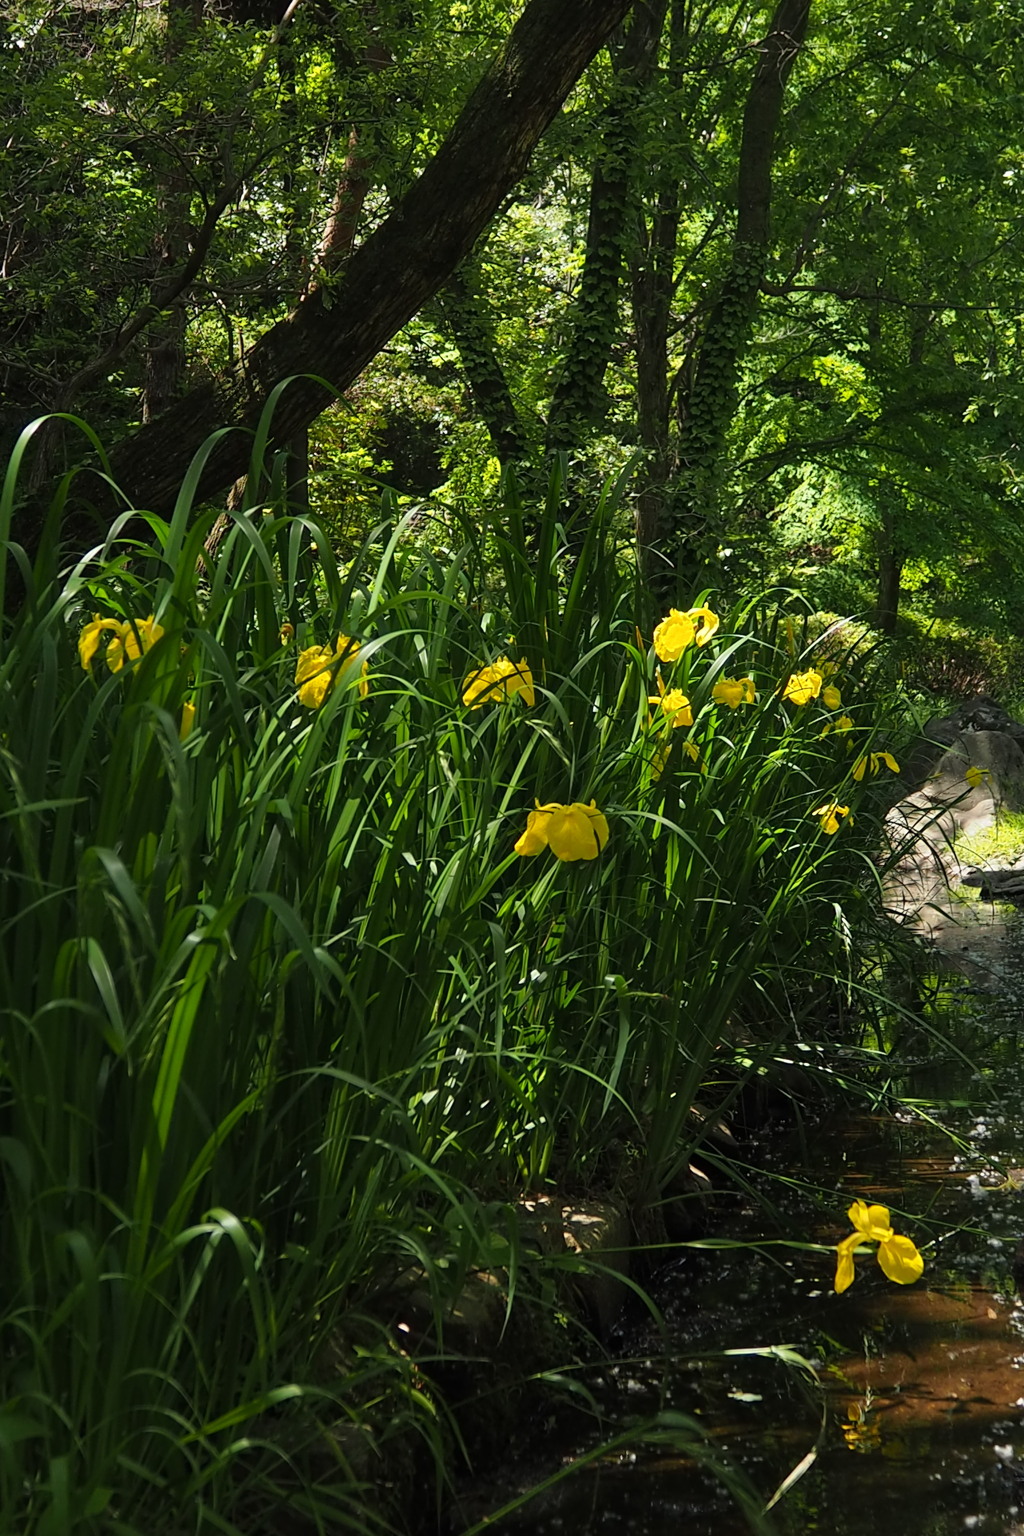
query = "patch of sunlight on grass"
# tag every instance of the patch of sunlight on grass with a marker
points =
(1001, 844)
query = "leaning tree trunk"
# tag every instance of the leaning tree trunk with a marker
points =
(338, 329)
(708, 405)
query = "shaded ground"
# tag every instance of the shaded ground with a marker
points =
(919, 1428)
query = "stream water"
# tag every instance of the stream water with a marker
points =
(915, 1422)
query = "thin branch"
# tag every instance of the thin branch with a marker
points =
(782, 290)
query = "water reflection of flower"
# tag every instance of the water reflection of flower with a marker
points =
(860, 1430)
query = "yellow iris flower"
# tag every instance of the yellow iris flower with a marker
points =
(131, 639)
(679, 630)
(572, 832)
(829, 815)
(319, 667)
(871, 762)
(899, 1259)
(676, 706)
(734, 691)
(673, 635)
(802, 687)
(831, 697)
(673, 702)
(844, 723)
(500, 681)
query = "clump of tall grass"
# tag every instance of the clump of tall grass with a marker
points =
(283, 1012)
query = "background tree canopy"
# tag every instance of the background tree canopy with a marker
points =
(772, 252)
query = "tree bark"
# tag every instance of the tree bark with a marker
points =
(165, 339)
(464, 312)
(578, 400)
(652, 306)
(890, 575)
(338, 329)
(652, 273)
(707, 407)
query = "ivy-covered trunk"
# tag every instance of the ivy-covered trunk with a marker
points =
(707, 403)
(577, 404)
(165, 339)
(464, 313)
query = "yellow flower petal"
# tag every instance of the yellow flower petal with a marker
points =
(802, 687)
(478, 686)
(673, 635)
(535, 839)
(521, 682)
(900, 1260)
(728, 691)
(870, 762)
(675, 705)
(577, 832)
(499, 681)
(897, 1256)
(313, 675)
(188, 720)
(844, 1262)
(844, 723)
(318, 668)
(89, 639)
(131, 640)
(705, 624)
(572, 832)
(871, 1221)
(140, 635)
(831, 697)
(734, 691)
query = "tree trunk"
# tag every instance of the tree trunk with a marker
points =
(652, 272)
(652, 305)
(708, 405)
(165, 339)
(338, 329)
(578, 401)
(890, 572)
(464, 313)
